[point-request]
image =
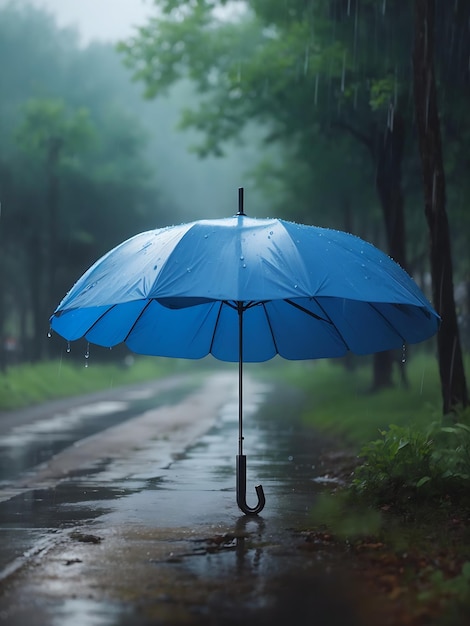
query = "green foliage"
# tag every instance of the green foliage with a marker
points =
(347, 520)
(48, 123)
(340, 401)
(412, 462)
(401, 460)
(452, 452)
(382, 92)
(417, 455)
(455, 587)
(276, 64)
(310, 74)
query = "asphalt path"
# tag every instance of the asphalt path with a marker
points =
(120, 509)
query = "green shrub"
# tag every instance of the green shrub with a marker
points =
(453, 447)
(399, 462)
(410, 462)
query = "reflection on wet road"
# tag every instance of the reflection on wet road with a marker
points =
(189, 555)
(26, 445)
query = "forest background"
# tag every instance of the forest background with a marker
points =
(309, 106)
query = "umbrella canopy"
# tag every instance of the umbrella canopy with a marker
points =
(306, 293)
(245, 289)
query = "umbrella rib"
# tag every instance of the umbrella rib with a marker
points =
(263, 304)
(304, 310)
(99, 318)
(222, 302)
(328, 319)
(387, 321)
(136, 321)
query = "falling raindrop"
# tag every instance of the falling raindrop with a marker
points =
(87, 354)
(395, 89)
(434, 183)
(390, 117)
(306, 60)
(403, 354)
(49, 333)
(68, 346)
(315, 98)
(343, 73)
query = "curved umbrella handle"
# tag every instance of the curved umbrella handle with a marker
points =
(241, 489)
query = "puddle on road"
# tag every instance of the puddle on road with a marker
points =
(189, 555)
(26, 446)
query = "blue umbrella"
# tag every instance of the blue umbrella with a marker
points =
(245, 290)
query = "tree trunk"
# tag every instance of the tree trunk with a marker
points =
(389, 156)
(51, 235)
(451, 369)
(36, 351)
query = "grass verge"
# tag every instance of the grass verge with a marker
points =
(26, 384)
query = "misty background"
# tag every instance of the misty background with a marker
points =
(191, 187)
(117, 117)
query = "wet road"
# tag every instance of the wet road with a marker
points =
(152, 534)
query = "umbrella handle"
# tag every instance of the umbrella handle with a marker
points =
(241, 489)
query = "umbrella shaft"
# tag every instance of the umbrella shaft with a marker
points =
(240, 377)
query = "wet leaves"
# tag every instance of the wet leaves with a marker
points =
(412, 574)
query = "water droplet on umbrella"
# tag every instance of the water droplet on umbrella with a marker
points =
(244, 265)
(242, 258)
(188, 269)
(155, 267)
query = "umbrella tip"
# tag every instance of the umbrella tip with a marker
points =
(240, 201)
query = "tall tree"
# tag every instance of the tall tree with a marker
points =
(49, 134)
(307, 71)
(451, 368)
(62, 206)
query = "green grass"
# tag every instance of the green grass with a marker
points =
(339, 401)
(25, 385)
